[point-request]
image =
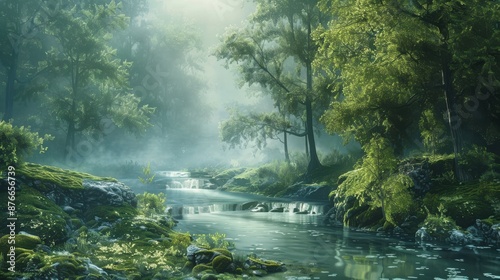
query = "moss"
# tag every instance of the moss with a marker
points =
(139, 228)
(40, 216)
(465, 203)
(201, 268)
(188, 266)
(65, 266)
(209, 277)
(439, 226)
(221, 263)
(109, 213)
(61, 177)
(224, 252)
(268, 265)
(24, 241)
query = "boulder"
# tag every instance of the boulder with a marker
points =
(277, 209)
(260, 208)
(308, 192)
(107, 193)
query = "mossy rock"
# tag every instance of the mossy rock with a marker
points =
(209, 277)
(61, 177)
(221, 263)
(224, 252)
(188, 266)
(200, 268)
(25, 241)
(108, 213)
(267, 265)
(465, 203)
(64, 266)
(371, 217)
(139, 228)
(40, 216)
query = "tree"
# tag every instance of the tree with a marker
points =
(241, 129)
(20, 26)
(397, 58)
(94, 82)
(275, 50)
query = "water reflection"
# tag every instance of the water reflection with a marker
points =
(331, 252)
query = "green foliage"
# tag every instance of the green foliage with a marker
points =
(148, 177)
(17, 142)
(432, 131)
(464, 203)
(216, 240)
(376, 182)
(386, 59)
(275, 51)
(477, 161)
(150, 204)
(96, 84)
(239, 130)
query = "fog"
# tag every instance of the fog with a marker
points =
(197, 87)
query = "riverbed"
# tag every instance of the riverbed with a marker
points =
(305, 244)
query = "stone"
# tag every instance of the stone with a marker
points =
(260, 208)
(221, 263)
(68, 209)
(422, 235)
(191, 250)
(107, 193)
(308, 192)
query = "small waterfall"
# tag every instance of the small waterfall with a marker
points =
(284, 207)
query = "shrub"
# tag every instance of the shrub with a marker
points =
(16, 142)
(150, 204)
(375, 181)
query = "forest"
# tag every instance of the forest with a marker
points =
(135, 134)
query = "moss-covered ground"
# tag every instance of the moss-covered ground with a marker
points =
(63, 178)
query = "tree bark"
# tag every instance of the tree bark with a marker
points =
(285, 144)
(313, 160)
(454, 121)
(10, 90)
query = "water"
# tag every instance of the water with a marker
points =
(327, 252)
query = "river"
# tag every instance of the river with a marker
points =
(325, 252)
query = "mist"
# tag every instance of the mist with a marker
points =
(194, 140)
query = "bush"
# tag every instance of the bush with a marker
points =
(150, 203)
(16, 142)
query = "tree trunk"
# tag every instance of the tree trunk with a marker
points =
(450, 99)
(313, 156)
(70, 136)
(285, 144)
(313, 160)
(70, 139)
(10, 88)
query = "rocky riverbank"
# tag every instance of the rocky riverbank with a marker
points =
(442, 210)
(75, 225)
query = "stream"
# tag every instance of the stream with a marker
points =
(302, 240)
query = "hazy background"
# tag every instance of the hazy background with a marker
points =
(191, 142)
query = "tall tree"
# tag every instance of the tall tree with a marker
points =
(397, 58)
(21, 23)
(94, 82)
(276, 51)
